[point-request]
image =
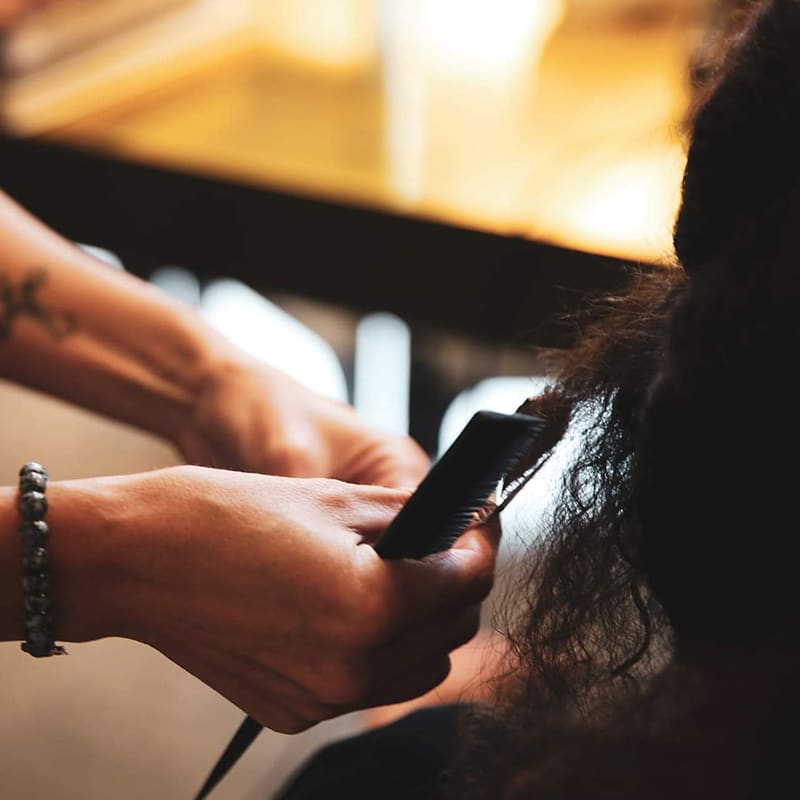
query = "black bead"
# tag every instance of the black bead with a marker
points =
(32, 466)
(37, 604)
(35, 623)
(34, 533)
(35, 562)
(36, 584)
(33, 482)
(33, 505)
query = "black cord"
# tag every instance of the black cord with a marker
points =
(242, 739)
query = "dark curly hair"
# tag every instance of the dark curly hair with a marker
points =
(655, 636)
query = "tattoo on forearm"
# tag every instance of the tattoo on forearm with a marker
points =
(21, 301)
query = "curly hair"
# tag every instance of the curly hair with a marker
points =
(674, 522)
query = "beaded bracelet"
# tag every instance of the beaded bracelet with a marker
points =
(33, 531)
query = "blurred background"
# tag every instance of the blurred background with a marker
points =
(551, 119)
(390, 199)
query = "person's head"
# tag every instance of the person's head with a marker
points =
(716, 464)
(684, 489)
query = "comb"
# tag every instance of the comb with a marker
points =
(451, 497)
(459, 484)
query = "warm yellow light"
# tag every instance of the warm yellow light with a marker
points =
(334, 34)
(625, 208)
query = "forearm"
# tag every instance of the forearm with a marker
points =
(76, 328)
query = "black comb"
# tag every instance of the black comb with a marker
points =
(453, 492)
(459, 484)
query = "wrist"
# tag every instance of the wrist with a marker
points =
(222, 402)
(201, 363)
(186, 357)
(87, 556)
(88, 552)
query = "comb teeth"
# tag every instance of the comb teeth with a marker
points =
(459, 484)
(460, 518)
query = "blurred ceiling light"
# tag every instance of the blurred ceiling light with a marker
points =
(456, 73)
(488, 40)
(334, 34)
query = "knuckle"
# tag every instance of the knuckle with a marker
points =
(290, 457)
(333, 495)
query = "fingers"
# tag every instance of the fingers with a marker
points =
(406, 668)
(462, 575)
(440, 636)
(409, 467)
(386, 460)
(288, 691)
(482, 539)
(419, 660)
(412, 595)
(416, 680)
(372, 508)
(443, 604)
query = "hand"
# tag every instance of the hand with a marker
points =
(268, 590)
(254, 418)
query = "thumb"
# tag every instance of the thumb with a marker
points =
(460, 576)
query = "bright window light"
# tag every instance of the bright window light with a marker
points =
(493, 394)
(178, 282)
(267, 332)
(112, 259)
(383, 371)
